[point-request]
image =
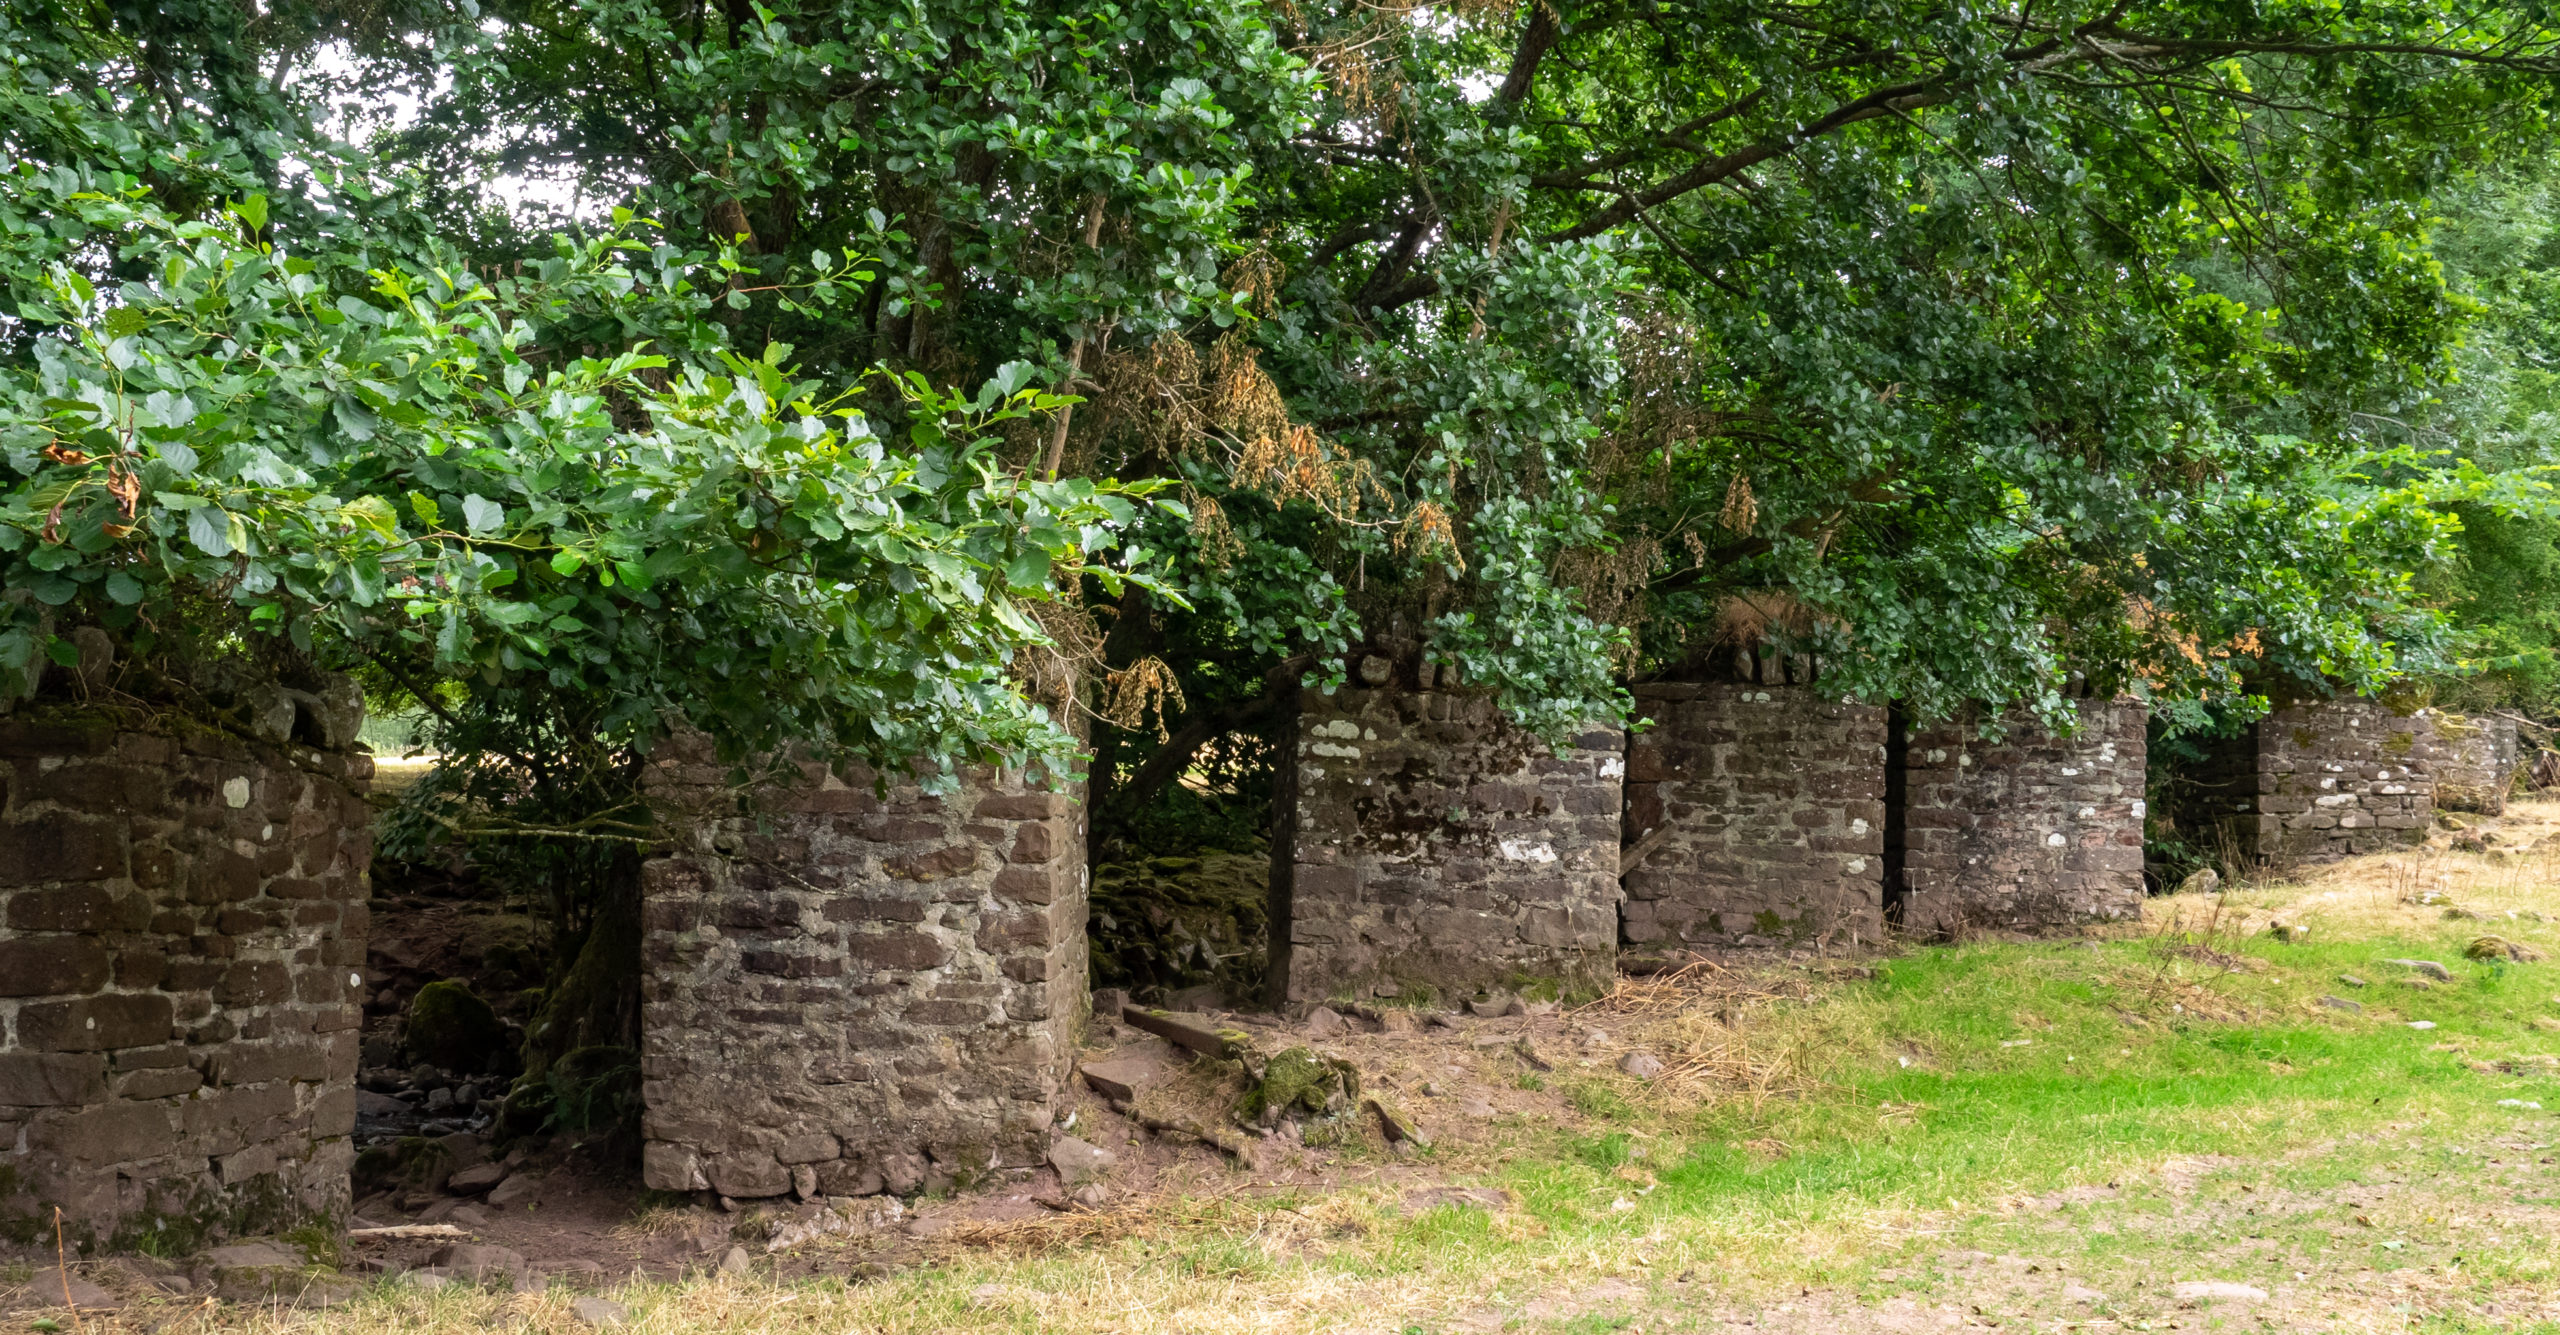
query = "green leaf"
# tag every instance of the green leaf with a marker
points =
(210, 530)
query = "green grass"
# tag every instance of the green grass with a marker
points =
(2134, 1053)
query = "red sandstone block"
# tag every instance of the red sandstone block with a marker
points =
(253, 983)
(1022, 806)
(939, 864)
(1027, 885)
(1033, 844)
(82, 737)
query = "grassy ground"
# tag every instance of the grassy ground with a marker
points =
(2042, 1135)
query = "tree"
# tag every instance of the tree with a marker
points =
(246, 450)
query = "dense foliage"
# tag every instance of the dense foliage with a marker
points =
(1976, 353)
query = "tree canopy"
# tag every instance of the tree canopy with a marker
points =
(1974, 353)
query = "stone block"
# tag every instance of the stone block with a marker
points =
(60, 846)
(96, 1024)
(110, 1133)
(39, 966)
(47, 1079)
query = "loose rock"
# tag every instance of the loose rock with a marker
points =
(599, 1312)
(476, 1179)
(735, 1262)
(480, 1261)
(1399, 1128)
(2342, 1004)
(46, 1291)
(515, 1190)
(1641, 1065)
(1078, 1161)
(2427, 967)
(1122, 1078)
(1325, 1022)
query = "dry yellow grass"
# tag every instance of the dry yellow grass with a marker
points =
(2402, 892)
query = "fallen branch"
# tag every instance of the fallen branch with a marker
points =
(396, 1231)
(1233, 1144)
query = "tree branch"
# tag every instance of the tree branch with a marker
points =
(1171, 759)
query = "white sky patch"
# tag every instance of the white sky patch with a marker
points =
(393, 109)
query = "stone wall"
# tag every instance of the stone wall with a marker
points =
(178, 999)
(1754, 814)
(2033, 830)
(2318, 780)
(1424, 842)
(846, 993)
(2475, 761)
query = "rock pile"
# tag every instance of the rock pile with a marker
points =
(1166, 925)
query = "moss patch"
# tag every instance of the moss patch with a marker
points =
(453, 1028)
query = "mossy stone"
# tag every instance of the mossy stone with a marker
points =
(453, 1028)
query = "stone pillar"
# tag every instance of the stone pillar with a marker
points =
(185, 913)
(1755, 815)
(1425, 843)
(2475, 761)
(2319, 780)
(848, 993)
(2034, 830)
